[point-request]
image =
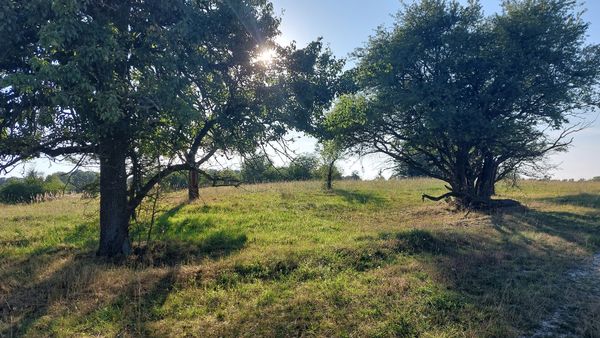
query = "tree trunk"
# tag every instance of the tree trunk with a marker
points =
(330, 176)
(486, 180)
(114, 213)
(193, 186)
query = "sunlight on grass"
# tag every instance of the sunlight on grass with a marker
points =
(368, 259)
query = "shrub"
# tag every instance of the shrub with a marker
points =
(21, 191)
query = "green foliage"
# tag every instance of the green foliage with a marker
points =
(82, 181)
(175, 181)
(402, 169)
(53, 185)
(354, 176)
(259, 168)
(302, 168)
(21, 191)
(33, 187)
(29, 189)
(323, 171)
(467, 98)
(141, 88)
(330, 150)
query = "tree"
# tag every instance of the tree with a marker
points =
(258, 169)
(81, 180)
(293, 85)
(121, 81)
(354, 176)
(470, 99)
(331, 151)
(302, 168)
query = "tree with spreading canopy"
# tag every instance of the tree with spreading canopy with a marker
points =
(470, 99)
(146, 88)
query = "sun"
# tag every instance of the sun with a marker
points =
(266, 56)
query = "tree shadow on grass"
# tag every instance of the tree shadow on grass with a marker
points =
(582, 200)
(214, 244)
(360, 197)
(77, 283)
(525, 267)
(513, 272)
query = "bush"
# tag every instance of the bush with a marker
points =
(83, 181)
(30, 189)
(53, 186)
(175, 181)
(21, 191)
(323, 170)
(302, 168)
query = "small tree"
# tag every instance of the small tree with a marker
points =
(330, 151)
(469, 99)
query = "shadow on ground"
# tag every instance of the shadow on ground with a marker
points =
(360, 197)
(513, 271)
(71, 274)
(509, 273)
(525, 266)
(581, 200)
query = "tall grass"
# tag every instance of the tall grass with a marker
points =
(290, 259)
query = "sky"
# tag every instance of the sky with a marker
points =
(345, 25)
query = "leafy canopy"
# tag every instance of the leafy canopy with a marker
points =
(467, 98)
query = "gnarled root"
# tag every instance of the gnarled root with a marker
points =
(473, 203)
(437, 199)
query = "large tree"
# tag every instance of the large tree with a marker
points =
(469, 99)
(140, 86)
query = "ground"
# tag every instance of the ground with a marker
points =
(290, 259)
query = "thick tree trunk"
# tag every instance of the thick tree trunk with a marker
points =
(193, 185)
(114, 213)
(473, 188)
(473, 191)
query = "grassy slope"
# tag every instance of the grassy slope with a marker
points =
(369, 259)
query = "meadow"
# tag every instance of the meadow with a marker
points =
(368, 259)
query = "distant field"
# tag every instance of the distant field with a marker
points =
(367, 260)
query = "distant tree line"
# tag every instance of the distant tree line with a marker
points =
(35, 187)
(260, 169)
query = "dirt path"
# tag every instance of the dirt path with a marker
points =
(574, 318)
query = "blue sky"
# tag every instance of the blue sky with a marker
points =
(347, 24)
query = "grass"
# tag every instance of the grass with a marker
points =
(289, 259)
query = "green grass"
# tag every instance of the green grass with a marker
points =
(289, 259)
